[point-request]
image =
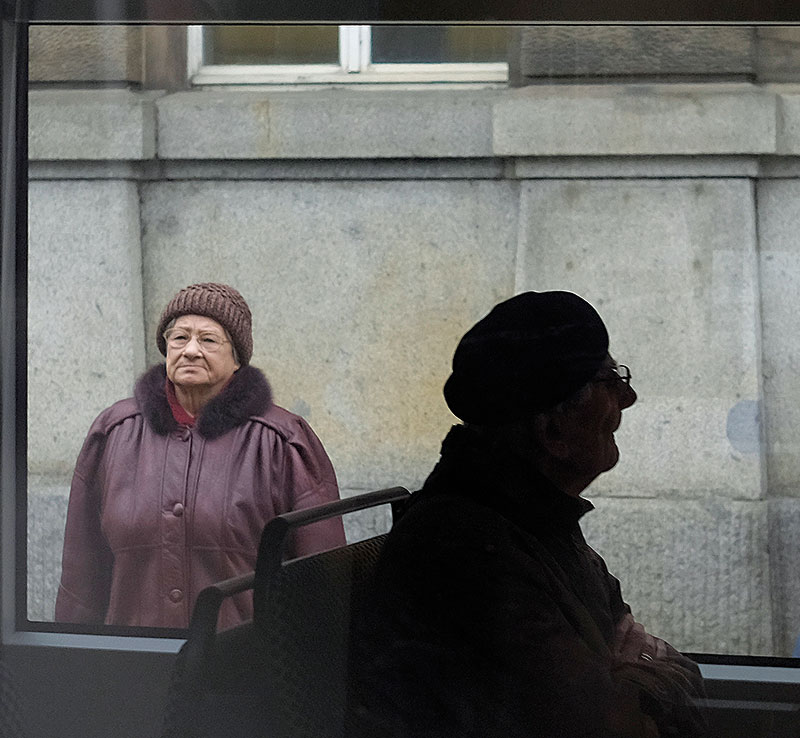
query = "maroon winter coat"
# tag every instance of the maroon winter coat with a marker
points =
(159, 511)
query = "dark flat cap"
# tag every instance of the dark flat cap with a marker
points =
(528, 354)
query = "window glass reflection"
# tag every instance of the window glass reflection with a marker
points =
(438, 44)
(368, 228)
(271, 45)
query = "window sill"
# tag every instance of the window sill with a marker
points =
(403, 74)
(99, 642)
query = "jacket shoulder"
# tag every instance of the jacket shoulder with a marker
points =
(114, 415)
(286, 424)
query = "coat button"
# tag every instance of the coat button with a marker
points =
(176, 595)
(182, 434)
(177, 509)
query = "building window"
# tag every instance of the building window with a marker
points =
(347, 54)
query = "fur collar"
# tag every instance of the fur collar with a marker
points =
(247, 394)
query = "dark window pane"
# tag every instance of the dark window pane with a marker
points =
(442, 44)
(271, 45)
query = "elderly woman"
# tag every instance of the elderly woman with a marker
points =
(173, 487)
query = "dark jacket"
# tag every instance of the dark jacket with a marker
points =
(493, 617)
(159, 511)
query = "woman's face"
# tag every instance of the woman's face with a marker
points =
(191, 361)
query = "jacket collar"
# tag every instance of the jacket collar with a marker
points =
(247, 394)
(472, 467)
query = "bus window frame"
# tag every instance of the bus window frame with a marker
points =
(13, 339)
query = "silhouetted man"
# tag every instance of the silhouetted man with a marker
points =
(491, 615)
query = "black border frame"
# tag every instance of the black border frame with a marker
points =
(13, 270)
(365, 11)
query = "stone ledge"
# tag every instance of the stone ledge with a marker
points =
(531, 167)
(364, 124)
(585, 120)
(638, 167)
(495, 168)
(91, 125)
(325, 124)
(275, 169)
(788, 118)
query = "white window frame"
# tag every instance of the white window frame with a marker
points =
(354, 67)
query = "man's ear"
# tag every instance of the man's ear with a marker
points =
(549, 432)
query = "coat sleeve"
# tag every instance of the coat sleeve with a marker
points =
(560, 647)
(469, 637)
(308, 479)
(86, 562)
(669, 683)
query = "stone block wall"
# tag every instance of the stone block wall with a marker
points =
(658, 52)
(86, 54)
(369, 229)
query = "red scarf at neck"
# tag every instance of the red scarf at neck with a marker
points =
(181, 416)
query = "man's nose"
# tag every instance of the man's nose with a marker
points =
(627, 396)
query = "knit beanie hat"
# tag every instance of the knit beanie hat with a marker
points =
(218, 301)
(527, 355)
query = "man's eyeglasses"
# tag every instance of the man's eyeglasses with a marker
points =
(178, 339)
(618, 373)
